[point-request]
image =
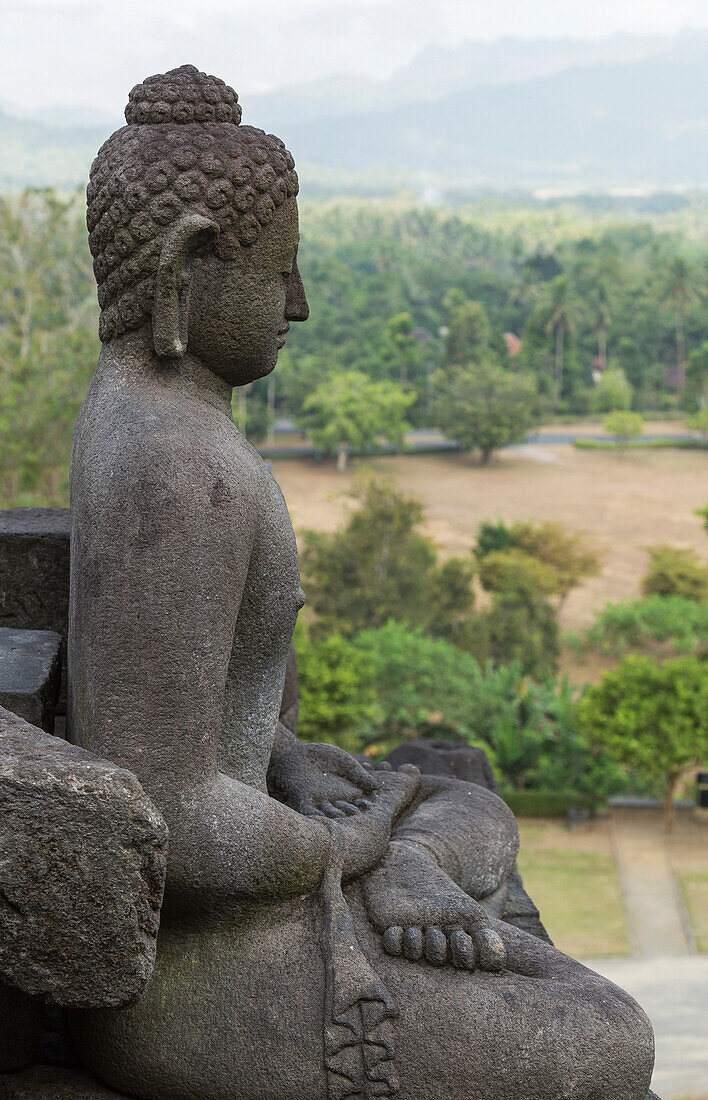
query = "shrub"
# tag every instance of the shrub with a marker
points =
(651, 717)
(625, 426)
(699, 422)
(515, 573)
(638, 624)
(674, 571)
(337, 697)
(546, 803)
(613, 392)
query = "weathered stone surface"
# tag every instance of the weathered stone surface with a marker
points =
(52, 1083)
(30, 674)
(470, 764)
(82, 866)
(34, 574)
(34, 569)
(451, 758)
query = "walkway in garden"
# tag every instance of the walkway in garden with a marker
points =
(656, 919)
(672, 991)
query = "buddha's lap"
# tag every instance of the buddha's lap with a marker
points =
(246, 1004)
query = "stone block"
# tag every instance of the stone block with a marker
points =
(34, 569)
(30, 674)
(82, 871)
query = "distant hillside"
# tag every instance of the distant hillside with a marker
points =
(618, 112)
(605, 126)
(33, 154)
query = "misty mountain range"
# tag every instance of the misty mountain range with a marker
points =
(567, 114)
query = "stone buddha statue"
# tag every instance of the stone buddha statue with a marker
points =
(328, 930)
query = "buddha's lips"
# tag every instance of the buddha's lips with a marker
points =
(282, 334)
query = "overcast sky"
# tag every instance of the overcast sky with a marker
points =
(91, 52)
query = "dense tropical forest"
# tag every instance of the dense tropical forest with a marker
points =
(599, 308)
(481, 320)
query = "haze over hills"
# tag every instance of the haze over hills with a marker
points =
(568, 114)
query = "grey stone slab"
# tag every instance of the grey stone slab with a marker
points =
(30, 674)
(34, 569)
(82, 868)
(34, 574)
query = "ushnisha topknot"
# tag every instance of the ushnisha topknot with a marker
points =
(182, 96)
(183, 151)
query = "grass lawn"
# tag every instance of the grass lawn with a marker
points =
(688, 847)
(694, 888)
(572, 878)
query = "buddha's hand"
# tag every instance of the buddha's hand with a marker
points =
(322, 780)
(425, 917)
(361, 840)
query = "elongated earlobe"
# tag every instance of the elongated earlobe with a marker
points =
(170, 315)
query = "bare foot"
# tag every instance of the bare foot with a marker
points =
(422, 915)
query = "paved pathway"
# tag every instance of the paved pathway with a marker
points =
(674, 993)
(655, 916)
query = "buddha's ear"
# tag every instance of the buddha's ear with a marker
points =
(170, 314)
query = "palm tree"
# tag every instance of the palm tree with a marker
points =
(560, 323)
(603, 319)
(679, 292)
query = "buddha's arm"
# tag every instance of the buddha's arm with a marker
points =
(159, 575)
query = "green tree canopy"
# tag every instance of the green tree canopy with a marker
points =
(336, 692)
(350, 411)
(569, 554)
(513, 572)
(651, 717)
(566, 557)
(612, 392)
(485, 407)
(675, 571)
(468, 330)
(624, 426)
(380, 567)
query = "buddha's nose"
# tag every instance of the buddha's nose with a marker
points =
(296, 307)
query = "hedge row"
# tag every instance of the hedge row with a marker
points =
(546, 803)
(643, 444)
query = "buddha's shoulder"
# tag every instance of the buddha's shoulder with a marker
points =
(134, 434)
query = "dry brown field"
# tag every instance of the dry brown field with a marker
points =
(623, 503)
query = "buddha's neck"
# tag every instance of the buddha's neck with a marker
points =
(134, 354)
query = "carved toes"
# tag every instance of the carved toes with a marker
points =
(491, 950)
(435, 947)
(413, 944)
(393, 940)
(438, 948)
(462, 950)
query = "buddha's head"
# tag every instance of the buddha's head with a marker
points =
(193, 228)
